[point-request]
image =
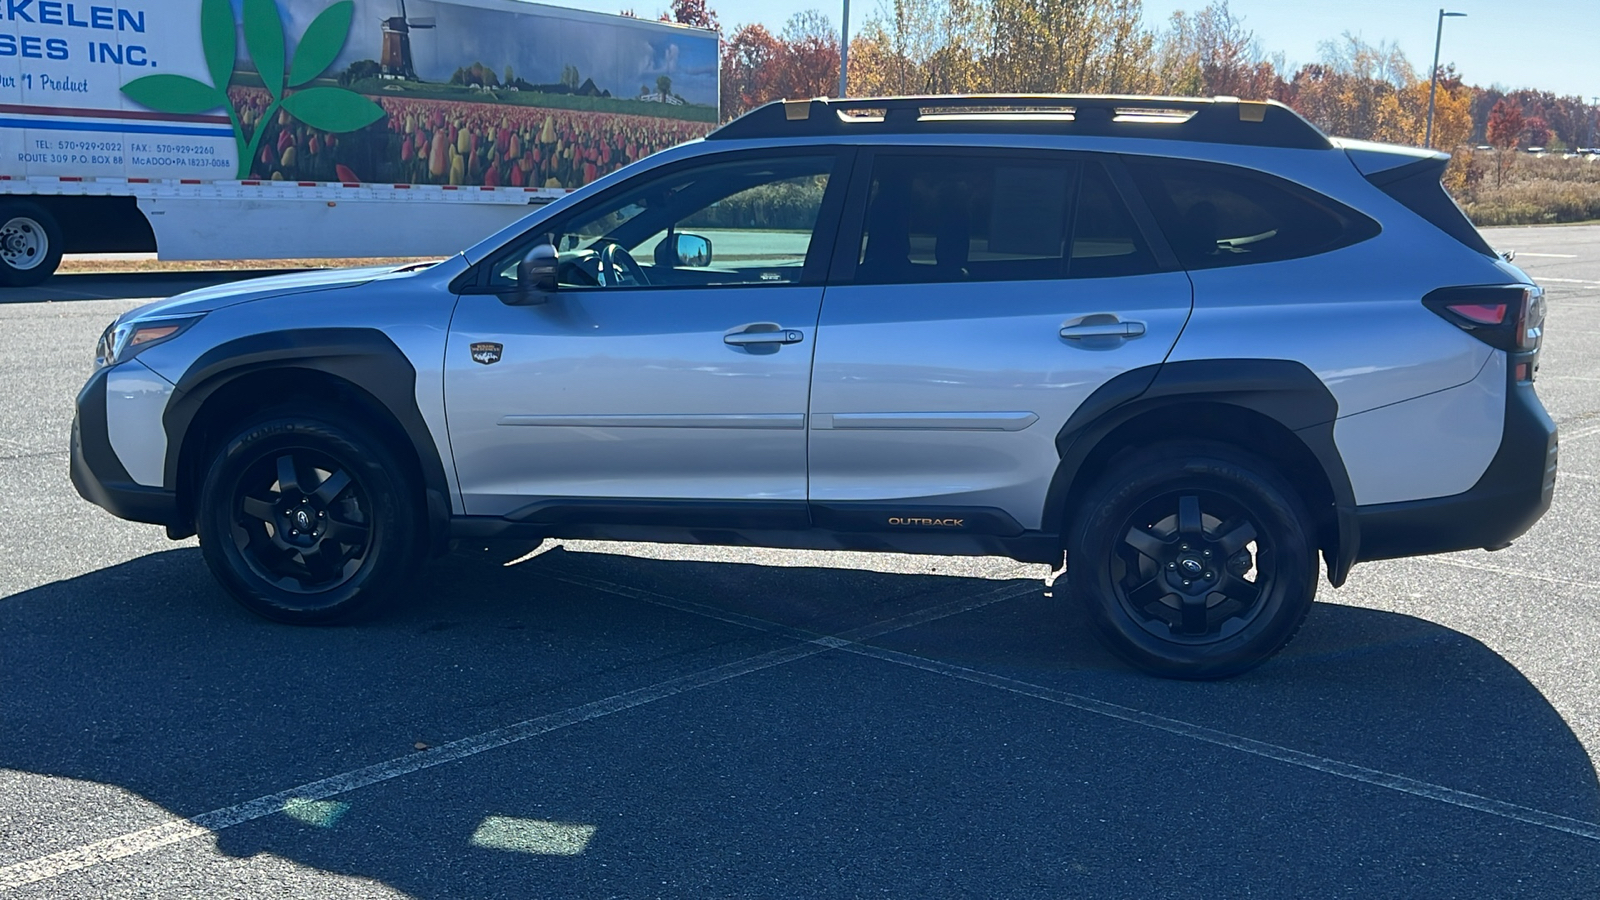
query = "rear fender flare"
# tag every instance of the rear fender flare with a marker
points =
(1284, 391)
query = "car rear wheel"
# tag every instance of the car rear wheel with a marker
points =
(1193, 560)
(308, 523)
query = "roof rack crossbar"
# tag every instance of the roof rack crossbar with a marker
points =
(1216, 120)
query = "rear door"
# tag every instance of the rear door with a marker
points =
(977, 297)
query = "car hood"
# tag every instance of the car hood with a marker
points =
(222, 295)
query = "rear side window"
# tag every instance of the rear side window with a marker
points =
(947, 217)
(1105, 240)
(941, 217)
(1216, 215)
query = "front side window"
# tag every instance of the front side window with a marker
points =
(742, 222)
(1216, 215)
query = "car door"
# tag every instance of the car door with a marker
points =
(982, 296)
(670, 369)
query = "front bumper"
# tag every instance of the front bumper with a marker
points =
(1514, 491)
(98, 474)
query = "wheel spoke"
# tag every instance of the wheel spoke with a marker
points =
(1234, 540)
(1235, 588)
(288, 480)
(258, 509)
(1189, 524)
(345, 532)
(331, 487)
(319, 564)
(1146, 543)
(1148, 593)
(1194, 614)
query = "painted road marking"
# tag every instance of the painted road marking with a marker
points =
(168, 833)
(1548, 255)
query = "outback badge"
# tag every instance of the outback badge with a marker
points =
(486, 352)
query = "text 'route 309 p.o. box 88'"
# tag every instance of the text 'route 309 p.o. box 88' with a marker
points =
(261, 129)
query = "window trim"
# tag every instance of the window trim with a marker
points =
(847, 245)
(476, 281)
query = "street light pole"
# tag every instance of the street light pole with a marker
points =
(844, 53)
(1433, 75)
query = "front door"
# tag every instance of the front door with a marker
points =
(674, 361)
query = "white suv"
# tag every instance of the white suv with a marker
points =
(1188, 343)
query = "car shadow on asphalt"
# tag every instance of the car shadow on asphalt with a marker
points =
(833, 774)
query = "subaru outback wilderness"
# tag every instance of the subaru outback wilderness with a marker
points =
(1186, 345)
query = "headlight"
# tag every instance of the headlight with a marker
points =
(122, 341)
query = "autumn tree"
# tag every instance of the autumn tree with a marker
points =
(1504, 130)
(1537, 131)
(692, 12)
(750, 64)
(809, 64)
(1211, 53)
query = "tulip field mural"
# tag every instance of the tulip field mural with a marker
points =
(498, 93)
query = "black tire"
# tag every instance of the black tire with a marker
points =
(30, 243)
(309, 523)
(1193, 560)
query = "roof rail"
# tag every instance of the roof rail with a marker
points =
(1221, 120)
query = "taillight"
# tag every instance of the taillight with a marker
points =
(1509, 317)
(1530, 327)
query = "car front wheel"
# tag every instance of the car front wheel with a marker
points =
(308, 523)
(1193, 560)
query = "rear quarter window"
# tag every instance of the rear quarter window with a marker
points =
(1216, 215)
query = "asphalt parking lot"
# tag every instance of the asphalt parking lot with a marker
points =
(596, 720)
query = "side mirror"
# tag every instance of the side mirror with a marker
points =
(693, 250)
(536, 277)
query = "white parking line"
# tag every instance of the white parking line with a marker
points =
(1350, 771)
(1548, 255)
(1580, 433)
(1544, 278)
(147, 839)
(1550, 579)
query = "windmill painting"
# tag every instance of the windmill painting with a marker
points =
(396, 61)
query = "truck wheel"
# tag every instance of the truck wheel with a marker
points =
(30, 244)
(308, 523)
(1193, 560)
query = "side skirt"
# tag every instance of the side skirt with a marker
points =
(761, 525)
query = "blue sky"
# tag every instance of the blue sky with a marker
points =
(1548, 44)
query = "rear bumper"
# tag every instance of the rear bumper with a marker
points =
(1514, 491)
(98, 474)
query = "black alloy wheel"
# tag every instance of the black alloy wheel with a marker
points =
(301, 522)
(1192, 566)
(1193, 560)
(308, 523)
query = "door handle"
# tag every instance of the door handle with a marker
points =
(763, 333)
(1111, 329)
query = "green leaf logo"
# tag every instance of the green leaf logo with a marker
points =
(323, 40)
(217, 38)
(331, 109)
(263, 35)
(172, 93)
